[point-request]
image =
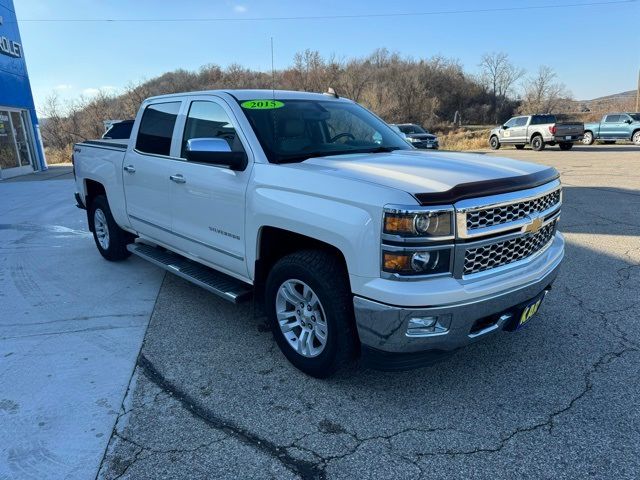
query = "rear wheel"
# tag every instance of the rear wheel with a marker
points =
(494, 143)
(519, 147)
(310, 309)
(110, 239)
(537, 143)
(636, 137)
(588, 139)
(566, 146)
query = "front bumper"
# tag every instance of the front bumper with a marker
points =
(382, 328)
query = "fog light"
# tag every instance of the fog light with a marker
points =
(425, 326)
(421, 325)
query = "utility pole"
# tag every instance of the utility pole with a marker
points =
(638, 94)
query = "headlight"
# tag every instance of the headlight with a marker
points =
(414, 140)
(417, 262)
(435, 223)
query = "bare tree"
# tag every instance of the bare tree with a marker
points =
(543, 93)
(499, 76)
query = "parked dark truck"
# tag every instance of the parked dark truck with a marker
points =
(537, 131)
(612, 127)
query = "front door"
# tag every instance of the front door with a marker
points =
(519, 130)
(16, 150)
(208, 201)
(146, 172)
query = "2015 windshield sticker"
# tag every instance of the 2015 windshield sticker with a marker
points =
(261, 104)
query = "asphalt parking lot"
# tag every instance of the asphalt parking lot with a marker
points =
(212, 396)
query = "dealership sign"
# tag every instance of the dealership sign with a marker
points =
(11, 48)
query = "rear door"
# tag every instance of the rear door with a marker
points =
(610, 127)
(208, 201)
(146, 171)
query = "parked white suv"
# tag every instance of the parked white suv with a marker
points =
(357, 243)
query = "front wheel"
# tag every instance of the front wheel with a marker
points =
(537, 143)
(110, 239)
(636, 138)
(566, 146)
(494, 143)
(588, 139)
(310, 310)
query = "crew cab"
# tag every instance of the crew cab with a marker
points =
(537, 131)
(355, 243)
(612, 127)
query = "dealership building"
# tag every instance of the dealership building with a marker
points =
(20, 142)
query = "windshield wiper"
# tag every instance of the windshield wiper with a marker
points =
(330, 153)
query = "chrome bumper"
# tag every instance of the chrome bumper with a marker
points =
(383, 328)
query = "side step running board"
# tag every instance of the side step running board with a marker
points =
(216, 282)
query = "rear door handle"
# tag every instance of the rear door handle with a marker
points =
(178, 178)
(130, 169)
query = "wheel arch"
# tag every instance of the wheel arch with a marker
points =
(92, 189)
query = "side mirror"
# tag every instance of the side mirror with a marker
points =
(504, 127)
(629, 121)
(215, 151)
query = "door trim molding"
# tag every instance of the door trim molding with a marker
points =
(220, 250)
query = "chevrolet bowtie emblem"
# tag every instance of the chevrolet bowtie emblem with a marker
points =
(534, 226)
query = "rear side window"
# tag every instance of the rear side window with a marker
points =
(120, 130)
(156, 128)
(612, 119)
(209, 120)
(543, 119)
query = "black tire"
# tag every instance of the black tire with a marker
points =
(537, 143)
(494, 143)
(565, 146)
(117, 240)
(519, 147)
(326, 275)
(588, 138)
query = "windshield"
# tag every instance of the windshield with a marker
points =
(409, 129)
(635, 116)
(294, 130)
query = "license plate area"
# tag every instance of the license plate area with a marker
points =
(523, 313)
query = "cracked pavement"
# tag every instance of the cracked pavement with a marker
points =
(212, 397)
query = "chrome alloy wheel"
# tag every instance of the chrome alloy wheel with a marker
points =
(101, 228)
(588, 138)
(636, 138)
(301, 318)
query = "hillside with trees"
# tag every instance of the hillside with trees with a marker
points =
(434, 92)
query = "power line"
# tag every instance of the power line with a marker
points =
(329, 17)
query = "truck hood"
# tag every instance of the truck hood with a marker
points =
(426, 175)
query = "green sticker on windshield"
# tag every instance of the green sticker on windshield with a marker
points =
(261, 104)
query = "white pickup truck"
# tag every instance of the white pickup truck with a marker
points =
(357, 244)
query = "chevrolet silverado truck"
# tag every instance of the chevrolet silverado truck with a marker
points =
(537, 131)
(355, 243)
(418, 136)
(612, 127)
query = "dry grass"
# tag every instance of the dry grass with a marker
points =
(55, 156)
(463, 139)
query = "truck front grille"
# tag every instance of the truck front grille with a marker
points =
(502, 253)
(491, 216)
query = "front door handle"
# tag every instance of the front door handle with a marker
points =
(130, 169)
(178, 178)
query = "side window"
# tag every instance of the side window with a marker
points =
(612, 119)
(624, 118)
(156, 128)
(511, 122)
(521, 122)
(209, 120)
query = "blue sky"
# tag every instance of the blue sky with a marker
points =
(594, 49)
